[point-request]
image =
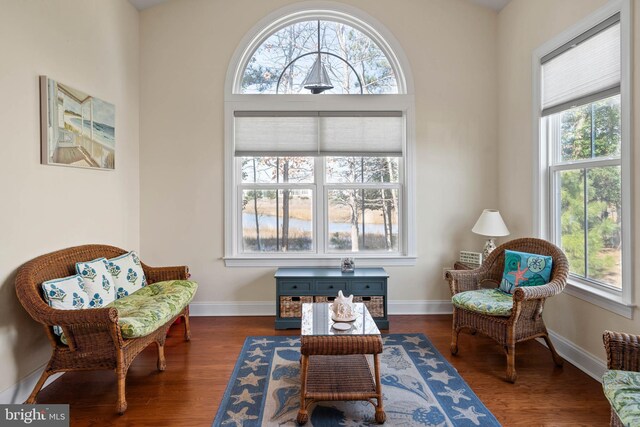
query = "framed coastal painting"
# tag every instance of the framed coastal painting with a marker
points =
(77, 129)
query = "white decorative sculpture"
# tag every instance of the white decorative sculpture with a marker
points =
(343, 308)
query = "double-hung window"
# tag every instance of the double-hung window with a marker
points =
(319, 182)
(583, 133)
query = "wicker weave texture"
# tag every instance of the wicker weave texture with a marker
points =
(93, 335)
(340, 377)
(525, 322)
(375, 304)
(292, 306)
(623, 354)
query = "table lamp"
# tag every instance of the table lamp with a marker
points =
(490, 224)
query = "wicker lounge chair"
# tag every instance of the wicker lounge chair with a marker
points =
(525, 319)
(623, 354)
(93, 336)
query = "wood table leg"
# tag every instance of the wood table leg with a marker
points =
(380, 415)
(303, 416)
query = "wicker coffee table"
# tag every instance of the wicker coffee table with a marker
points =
(334, 363)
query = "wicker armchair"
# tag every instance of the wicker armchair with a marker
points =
(94, 338)
(623, 354)
(525, 322)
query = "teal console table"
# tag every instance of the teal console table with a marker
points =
(295, 286)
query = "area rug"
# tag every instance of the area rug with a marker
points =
(420, 389)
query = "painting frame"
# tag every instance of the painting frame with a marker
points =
(76, 129)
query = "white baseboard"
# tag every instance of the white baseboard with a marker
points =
(577, 356)
(237, 308)
(420, 307)
(268, 308)
(21, 391)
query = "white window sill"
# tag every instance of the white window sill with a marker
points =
(601, 298)
(316, 261)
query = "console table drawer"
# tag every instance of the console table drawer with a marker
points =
(288, 286)
(331, 285)
(367, 286)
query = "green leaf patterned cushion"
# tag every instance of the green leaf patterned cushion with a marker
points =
(147, 309)
(622, 389)
(144, 311)
(492, 302)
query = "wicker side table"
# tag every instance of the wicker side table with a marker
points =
(334, 364)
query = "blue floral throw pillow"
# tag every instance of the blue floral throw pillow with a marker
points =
(523, 269)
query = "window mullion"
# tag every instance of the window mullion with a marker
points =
(320, 214)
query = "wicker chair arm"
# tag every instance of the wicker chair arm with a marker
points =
(623, 351)
(159, 274)
(465, 280)
(79, 317)
(526, 293)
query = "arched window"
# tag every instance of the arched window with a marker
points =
(313, 178)
(337, 54)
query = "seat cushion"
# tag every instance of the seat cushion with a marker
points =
(492, 302)
(147, 309)
(622, 389)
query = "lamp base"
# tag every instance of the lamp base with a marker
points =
(489, 247)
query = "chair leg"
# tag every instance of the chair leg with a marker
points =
(454, 340)
(187, 327)
(455, 330)
(556, 357)
(511, 363)
(45, 374)
(162, 362)
(121, 406)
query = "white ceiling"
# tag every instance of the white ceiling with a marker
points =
(496, 5)
(144, 4)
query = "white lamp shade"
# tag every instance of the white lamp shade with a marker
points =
(490, 224)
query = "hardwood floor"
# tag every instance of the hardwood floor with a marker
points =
(189, 391)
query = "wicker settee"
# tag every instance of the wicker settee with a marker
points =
(93, 337)
(621, 382)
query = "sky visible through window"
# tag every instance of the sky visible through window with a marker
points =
(281, 56)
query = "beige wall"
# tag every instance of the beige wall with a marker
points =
(93, 46)
(186, 47)
(523, 26)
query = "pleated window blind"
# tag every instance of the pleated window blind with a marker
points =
(583, 70)
(368, 133)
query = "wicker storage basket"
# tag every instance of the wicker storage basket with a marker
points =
(323, 299)
(292, 306)
(375, 305)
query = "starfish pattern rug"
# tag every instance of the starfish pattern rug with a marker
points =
(420, 388)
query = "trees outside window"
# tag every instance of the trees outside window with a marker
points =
(361, 209)
(587, 180)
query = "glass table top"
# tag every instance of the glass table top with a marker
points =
(317, 320)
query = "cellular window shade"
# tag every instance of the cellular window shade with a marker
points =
(365, 134)
(282, 133)
(582, 71)
(319, 133)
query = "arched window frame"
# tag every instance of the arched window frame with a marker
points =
(403, 101)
